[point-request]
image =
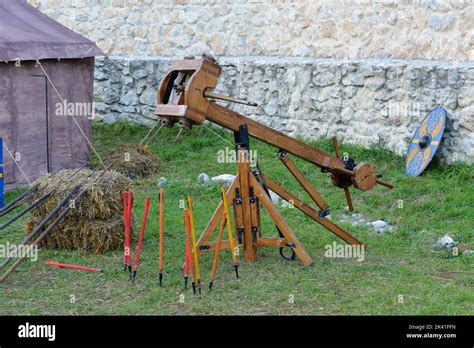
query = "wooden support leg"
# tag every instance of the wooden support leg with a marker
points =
(315, 196)
(217, 216)
(280, 222)
(250, 251)
(287, 196)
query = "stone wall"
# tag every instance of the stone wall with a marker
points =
(366, 70)
(401, 29)
(362, 102)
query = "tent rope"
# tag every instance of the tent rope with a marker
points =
(73, 117)
(16, 163)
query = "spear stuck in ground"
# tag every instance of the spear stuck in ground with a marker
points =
(127, 216)
(162, 208)
(234, 250)
(129, 219)
(217, 251)
(126, 235)
(189, 257)
(193, 240)
(187, 249)
(140, 240)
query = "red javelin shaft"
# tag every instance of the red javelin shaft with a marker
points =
(126, 242)
(129, 219)
(140, 241)
(65, 265)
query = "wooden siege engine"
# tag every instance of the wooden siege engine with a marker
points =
(185, 96)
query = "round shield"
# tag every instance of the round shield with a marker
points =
(425, 142)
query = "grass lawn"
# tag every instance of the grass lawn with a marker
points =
(400, 273)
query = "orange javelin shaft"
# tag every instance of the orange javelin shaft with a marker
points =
(162, 208)
(187, 250)
(189, 246)
(217, 251)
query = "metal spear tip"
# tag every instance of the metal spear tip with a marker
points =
(236, 267)
(161, 279)
(210, 286)
(185, 282)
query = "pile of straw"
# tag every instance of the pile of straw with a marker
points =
(134, 161)
(95, 223)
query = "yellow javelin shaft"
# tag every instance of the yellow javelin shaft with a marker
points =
(193, 236)
(229, 227)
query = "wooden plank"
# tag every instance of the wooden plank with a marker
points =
(272, 242)
(261, 242)
(280, 222)
(211, 246)
(297, 203)
(315, 196)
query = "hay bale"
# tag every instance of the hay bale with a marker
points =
(91, 236)
(95, 224)
(134, 161)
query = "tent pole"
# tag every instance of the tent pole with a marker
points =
(48, 164)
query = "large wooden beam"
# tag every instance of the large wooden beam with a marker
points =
(232, 120)
(297, 203)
